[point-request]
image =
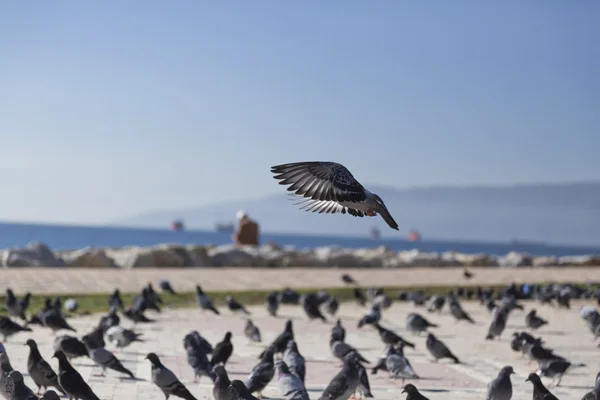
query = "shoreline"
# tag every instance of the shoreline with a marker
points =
(270, 255)
(97, 281)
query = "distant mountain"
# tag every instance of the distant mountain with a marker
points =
(554, 213)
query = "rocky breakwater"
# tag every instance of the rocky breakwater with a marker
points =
(270, 255)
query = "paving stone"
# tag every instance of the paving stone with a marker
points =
(566, 334)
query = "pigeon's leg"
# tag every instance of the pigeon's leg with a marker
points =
(559, 379)
(38, 390)
(259, 395)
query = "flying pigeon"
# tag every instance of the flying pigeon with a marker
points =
(328, 187)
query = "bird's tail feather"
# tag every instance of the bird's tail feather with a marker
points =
(387, 217)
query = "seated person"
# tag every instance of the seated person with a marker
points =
(247, 232)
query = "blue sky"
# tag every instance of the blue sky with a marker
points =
(112, 108)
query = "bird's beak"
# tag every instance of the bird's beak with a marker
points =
(527, 380)
(403, 391)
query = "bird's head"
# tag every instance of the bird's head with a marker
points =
(59, 355)
(228, 336)
(153, 358)
(533, 378)
(31, 343)
(409, 388)
(15, 376)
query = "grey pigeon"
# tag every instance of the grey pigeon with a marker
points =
(105, 358)
(539, 390)
(261, 374)
(332, 305)
(436, 304)
(398, 365)
(328, 187)
(340, 349)
(239, 391)
(556, 368)
(121, 337)
(55, 321)
(71, 381)
(115, 301)
(372, 317)
(16, 307)
(235, 306)
(197, 358)
(50, 395)
(412, 393)
(5, 369)
(338, 332)
(272, 303)
(438, 349)
(289, 385)
(252, 332)
(533, 321)
(345, 383)
(501, 387)
(165, 286)
(390, 337)
(8, 327)
(457, 311)
(594, 394)
(204, 301)
(17, 388)
(202, 342)
(310, 305)
(137, 316)
(294, 360)
(415, 323)
(39, 370)
(498, 324)
(222, 383)
(166, 380)
(222, 351)
(97, 336)
(281, 341)
(364, 387)
(383, 300)
(70, 346)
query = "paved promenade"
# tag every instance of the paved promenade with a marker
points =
(89, 280)
(482, 359)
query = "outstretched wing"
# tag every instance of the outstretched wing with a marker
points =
(320, 180)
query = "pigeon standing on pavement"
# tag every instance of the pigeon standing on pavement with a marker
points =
(289, 385)
(389, 337)
(272, 303)
(50, 395)
(104, 358)
(204, 301)
(416, 323)
(310, 304)
(5, 369)
(398, 365)
(71, 381)
(364, 387)
(359, 296)
(165, 286)
(115, 301)
(539, 390)
(281, 341)
(348, 279)
(252, 332)
(121, 337)
(17, 388)
(235, 306)
(222, 351)
(294, 360)
(438, 349)
(261, 374)
(533, 321)
(458, 312)
(498, 324)
(8, 327)
(501, 387)
(332, 305)
(239, 391)
(70, 346)
(197, 358)
(412, 393)
(340, 349)
(39, 370)
(16, 307)
(329, 187)
(345, 383)
(338, 332)
(372, 317)
(222, 383)
(166, 380)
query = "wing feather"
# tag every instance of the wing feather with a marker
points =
(325, 181)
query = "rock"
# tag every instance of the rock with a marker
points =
(514, 259)
(160, 256)
(587, 260)
(476, 260)
(545, 261)
(417, 258)
(232, 256)
(88, 257)
(199, 256)
(34, 255)
(334, 256)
